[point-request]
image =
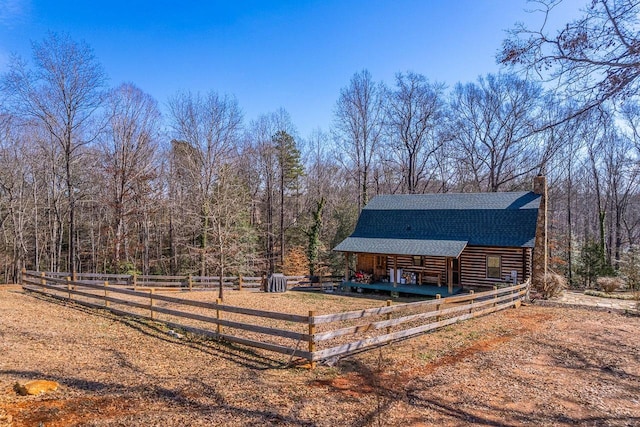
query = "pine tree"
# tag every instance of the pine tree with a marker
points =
(290, 169)
(593, 263)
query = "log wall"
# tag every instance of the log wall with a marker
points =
(473, 265)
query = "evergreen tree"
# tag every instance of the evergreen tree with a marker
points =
(593, 263)
(290, 169)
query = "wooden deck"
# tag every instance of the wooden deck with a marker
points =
(425, 290)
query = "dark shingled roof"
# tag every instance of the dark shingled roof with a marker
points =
(442, 224)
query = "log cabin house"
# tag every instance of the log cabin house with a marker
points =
(418, 243)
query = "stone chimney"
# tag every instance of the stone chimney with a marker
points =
(540, 251)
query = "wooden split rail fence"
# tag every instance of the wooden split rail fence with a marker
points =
(313, 337)
(180, 283)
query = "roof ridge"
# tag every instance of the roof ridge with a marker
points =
(455, 193)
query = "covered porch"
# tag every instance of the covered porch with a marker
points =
(422, 290)
(409, 266)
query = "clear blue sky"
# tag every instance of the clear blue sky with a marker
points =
(271, 54)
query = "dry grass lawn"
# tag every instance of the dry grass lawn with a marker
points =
(527, 366)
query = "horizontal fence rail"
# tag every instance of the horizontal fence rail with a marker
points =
(192, 282)
(211, 319)
(325, 335)
(445, 311)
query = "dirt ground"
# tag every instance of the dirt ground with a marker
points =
(528, 366)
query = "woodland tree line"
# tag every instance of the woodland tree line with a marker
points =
(94, 178)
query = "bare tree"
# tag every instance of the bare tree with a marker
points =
(268, 138)
(630, 116)
(566, 162)
(630, 130)
(358, 125)
(208, 130)
(233, 237)
(493, 125)
(614, 172)
(62, 92)
(320, 166)
(15, 183)
(128, 159)
(594, 58)
(326, 191)
(415, 112)
(621, 172)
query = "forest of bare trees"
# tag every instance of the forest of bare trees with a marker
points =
(105, 179)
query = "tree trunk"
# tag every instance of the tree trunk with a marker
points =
(365, 196)
(569, 232)
(221, 262)
(205, 231)
(618, 237)
(282, 216)
(173, 262)
(269, 242)
(602, 224)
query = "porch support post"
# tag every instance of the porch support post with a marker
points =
(347, 255)
(524, 265)
(450, 275)
(395, 271)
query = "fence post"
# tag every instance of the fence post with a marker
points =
(218, 326)
(23, 272)
(69, 287)
(190, 281)
(239, 282)
(495, 296)
(135, 280)
(151, 290)
(106, 293)
(388, 316)
(312, 343)
(43, 281)
(438, 298)
(517, 301)
(74, 276)
(471, 292)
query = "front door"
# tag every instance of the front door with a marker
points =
(455, 271)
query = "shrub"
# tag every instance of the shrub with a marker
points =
(610, 284)
(592, 263)
(630, 267)
(552, 285)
